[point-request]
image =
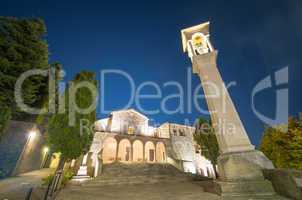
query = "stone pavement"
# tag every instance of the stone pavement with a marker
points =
(16, 188)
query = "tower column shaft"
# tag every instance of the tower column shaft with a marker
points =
(239, 164)
(229, 129)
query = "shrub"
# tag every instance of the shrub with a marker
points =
(67, 175)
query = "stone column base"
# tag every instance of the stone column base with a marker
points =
(243, 166)
(244, 188)
(241, 176)
(241, 190)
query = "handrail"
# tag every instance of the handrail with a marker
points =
(29, 193)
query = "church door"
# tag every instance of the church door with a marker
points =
(127, 158)
(151, 155)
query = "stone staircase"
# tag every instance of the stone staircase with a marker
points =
(136, 182)
(119, 174)
(158, 182)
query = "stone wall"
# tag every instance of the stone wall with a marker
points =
(286, 182)
(14, 143)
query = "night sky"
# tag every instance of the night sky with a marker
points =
(254, 39)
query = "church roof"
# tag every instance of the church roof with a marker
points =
(131, 111)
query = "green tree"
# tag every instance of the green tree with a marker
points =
(283, 144)
(4, 118)
(206, 139)
(22, 48)
(56, 70)
(70, 140)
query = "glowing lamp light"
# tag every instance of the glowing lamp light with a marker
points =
(46, 149)
(32, 134)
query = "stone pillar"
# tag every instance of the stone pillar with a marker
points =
(155, 152)
(90, 167)
(131, 153)
(239, 161)
(99, 165)
(117, 149)
(85, 159)
(144, 153)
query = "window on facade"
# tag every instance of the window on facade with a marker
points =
(130, 130)
(175, 132)
(181, 132)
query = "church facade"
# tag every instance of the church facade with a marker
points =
(126, 136)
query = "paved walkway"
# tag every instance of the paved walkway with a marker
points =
(159, 191)
(15, 188)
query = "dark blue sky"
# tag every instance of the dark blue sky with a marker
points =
(254, 39)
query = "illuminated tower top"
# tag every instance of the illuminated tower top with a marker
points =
(195, 40)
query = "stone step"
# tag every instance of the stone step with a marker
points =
(133, 180)
(144, 173)
(140, 176)
(121, 169)
(254, 197)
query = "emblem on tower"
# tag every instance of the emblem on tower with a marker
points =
(196, 40)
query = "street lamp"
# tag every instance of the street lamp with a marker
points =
(32, 134)
(46, 149)
(45, 157)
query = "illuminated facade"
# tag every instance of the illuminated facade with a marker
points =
(125, 136)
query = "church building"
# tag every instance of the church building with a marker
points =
(126, 136)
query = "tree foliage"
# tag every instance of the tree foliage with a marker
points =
(206, 139)
(67, 139)
(22, 48)
(56, 71)
(4, 118)
(283, 147)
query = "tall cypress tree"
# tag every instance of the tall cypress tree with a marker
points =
(22, 48)
(68, 139)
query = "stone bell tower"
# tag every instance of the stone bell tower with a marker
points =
(239, 162)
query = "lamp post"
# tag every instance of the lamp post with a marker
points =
(31, 136)
(45, 157)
